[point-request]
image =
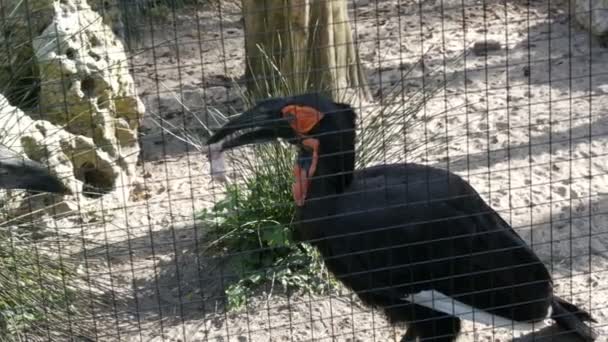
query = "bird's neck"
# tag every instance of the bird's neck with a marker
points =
(325, 184)
(333, 174)
(332, 177)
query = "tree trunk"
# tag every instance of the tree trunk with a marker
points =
(296, 46)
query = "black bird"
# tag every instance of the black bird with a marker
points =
(418, 242)
(17, 172)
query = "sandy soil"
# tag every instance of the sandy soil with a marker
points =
(532, 121)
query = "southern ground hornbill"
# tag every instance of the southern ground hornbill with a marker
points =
(416, 241)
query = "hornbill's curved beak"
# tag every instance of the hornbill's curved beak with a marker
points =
(17, 172)
(262, 123)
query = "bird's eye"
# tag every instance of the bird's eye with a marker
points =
(291, 117)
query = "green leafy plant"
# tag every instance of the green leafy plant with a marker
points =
(41, 293)
(253, 229)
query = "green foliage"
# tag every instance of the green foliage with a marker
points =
(39, 293)
(253, 228)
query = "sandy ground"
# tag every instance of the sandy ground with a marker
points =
(533, 128)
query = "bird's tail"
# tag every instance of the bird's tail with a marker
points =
(568, 316)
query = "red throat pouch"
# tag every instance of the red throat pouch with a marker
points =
(303, 177)
(300, 186)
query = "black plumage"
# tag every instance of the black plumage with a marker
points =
(391, 231)
(18, 172)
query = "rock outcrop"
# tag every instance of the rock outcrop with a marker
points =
(74, 158)
(86, 86)
(85, 95)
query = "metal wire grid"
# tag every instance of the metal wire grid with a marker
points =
(160, 266)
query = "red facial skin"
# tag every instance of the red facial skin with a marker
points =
(304, 120)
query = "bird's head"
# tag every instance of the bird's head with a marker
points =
(17, 172)
(323, 131)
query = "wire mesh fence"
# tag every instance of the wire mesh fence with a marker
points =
(303, 170)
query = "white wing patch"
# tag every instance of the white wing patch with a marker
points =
(438, 301)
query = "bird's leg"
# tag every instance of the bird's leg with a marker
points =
(423, 324)
(434, 326)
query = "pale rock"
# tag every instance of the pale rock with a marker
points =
(73, 158)
(86, 87)
(77, 77)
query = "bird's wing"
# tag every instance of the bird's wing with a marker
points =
(487, 265)
(459, 247)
